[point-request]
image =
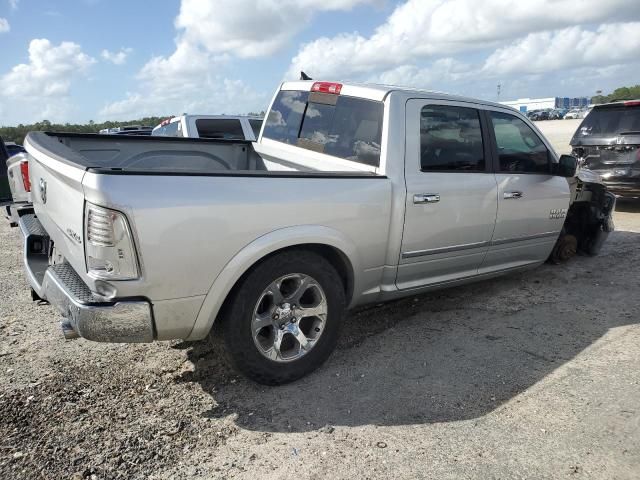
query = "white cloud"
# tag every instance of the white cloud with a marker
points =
(189, 80)
(39, 89)
(610, 44)
(117, 58)
(250, 28)
(421, 29)
(4, 25)
(438, 72)
(210, 34)
(14, 4)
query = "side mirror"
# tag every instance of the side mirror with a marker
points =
(566, 166)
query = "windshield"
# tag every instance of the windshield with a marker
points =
(345, 127)
(610, 121)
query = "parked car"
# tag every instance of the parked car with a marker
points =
(574, 114)
(13, 148)
(538, 115)
(353, 194)
(556, 114)
(608, 143)
(211, 126)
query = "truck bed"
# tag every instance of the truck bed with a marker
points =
(122, 153)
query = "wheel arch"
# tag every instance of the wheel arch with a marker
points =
(328, 242)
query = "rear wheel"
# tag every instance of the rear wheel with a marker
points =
(284, 319)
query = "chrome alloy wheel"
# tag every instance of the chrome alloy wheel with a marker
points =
(289, 317)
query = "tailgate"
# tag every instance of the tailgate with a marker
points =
(57, 195)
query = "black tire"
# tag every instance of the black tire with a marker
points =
(237, 316)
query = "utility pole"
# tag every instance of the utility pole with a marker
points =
(498, 90)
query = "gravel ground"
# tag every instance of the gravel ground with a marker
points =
(531, 375)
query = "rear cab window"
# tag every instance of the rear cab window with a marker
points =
(227, 128)
(345, 127)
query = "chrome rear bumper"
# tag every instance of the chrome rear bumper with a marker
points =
(85, 314)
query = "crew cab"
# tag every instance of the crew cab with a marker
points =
(210, 126)
(353, 194)
(607, 142)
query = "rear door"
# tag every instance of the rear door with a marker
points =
(532, 203)
(451, 197)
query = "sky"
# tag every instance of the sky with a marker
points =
(81, 60)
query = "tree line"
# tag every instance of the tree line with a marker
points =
(622, 93)
(16, 134)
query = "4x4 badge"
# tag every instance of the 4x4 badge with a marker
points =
(558, 213)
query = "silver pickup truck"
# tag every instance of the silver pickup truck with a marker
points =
(352, 194)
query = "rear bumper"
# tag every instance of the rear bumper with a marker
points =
(90, 317)
(13, 212)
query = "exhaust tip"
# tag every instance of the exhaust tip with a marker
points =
(67, 330)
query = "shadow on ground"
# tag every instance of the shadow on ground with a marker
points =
(441, 357)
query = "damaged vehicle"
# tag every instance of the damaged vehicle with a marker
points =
(589, 218)
(352, 194)
(607, 142)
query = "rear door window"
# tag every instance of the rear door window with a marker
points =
(520, 150)
(346, 127)
(227, 128)
(451, 139)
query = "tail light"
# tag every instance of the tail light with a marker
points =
(24, 170)
(109, 249)
(327, 87)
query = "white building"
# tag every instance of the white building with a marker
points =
(528, 104)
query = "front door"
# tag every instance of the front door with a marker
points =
(451, 197)
(532, 203)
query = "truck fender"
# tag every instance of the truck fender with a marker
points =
(257, 250)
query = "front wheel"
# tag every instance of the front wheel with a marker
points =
(284, 318)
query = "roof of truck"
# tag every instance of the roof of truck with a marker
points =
(380, 91)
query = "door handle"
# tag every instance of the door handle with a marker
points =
(419, 198)
(514, 195)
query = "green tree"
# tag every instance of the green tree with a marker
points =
(622, 93)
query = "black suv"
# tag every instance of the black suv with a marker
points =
(608, 143)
